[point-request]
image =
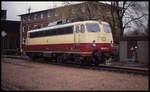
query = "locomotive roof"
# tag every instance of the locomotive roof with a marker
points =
(65, 25)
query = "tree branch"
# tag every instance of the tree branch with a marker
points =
(134, 19)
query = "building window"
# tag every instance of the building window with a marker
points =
(56, 13)
(35, 17)
(45, 25)
(73, 11)
(108, 11)
(25, 19)
(83, 9)
(29, 18)
(41, 25)
(41, 15)
(35, 26)
(29, 28)
(63, 16)
(48, 14)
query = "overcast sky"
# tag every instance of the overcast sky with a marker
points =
(15, 8)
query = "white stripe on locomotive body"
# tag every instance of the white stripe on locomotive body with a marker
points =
(86, 37)
(51, 40)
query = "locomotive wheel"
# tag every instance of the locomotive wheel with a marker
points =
(59, 59)
(96, 62)
(77, 61)
(86, 61)
(90, 60)
(98, 57)
(83, 62)
(33, 56)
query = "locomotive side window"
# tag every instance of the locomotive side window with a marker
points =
(82, 28)
(32, 35)
(52, 32)
(62, 31)
(77, 28)
(92, 27)
(107, 29)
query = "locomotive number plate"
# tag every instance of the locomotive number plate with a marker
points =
(103, 38)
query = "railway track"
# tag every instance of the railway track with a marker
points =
(101, 67)
(110, 69)
(124, 70)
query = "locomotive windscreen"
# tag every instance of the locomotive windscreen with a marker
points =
(107, 28)
(92, 27)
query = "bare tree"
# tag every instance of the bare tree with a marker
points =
(119, 14)
(123, 14)
(105, 11)
(65, 11)
(130, 11)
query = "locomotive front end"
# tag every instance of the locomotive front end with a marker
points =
(100, 37)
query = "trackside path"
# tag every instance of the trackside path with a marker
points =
(23, 75)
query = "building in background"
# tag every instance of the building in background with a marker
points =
(134, 49)
(33, 20)
(10, 32)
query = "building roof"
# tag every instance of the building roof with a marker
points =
(46, 10)
(56, 8)
(10, 26)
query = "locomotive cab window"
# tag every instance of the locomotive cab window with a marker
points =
(77, 29)
(107, 28)
(82, 28)
(92, 27)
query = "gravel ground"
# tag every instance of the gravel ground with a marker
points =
(23, 75)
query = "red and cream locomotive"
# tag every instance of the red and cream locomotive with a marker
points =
(86, 42)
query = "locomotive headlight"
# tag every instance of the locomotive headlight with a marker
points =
(94, 44)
